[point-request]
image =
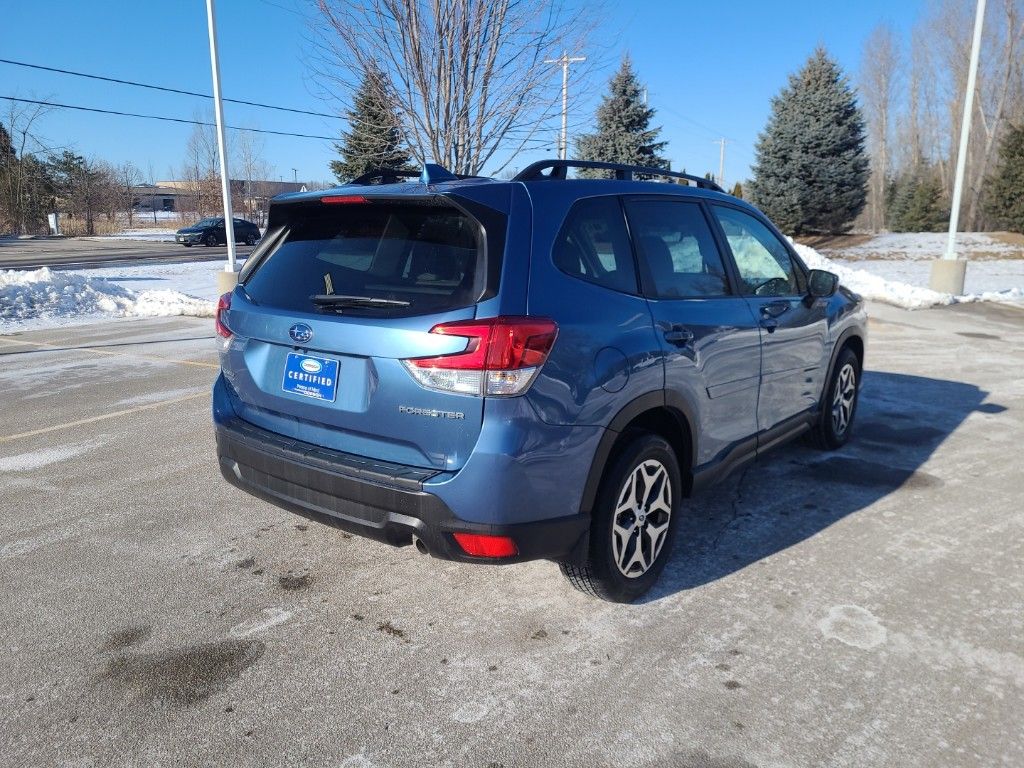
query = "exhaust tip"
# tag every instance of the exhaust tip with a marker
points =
(421, 547)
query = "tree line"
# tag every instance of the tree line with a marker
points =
(873, 152)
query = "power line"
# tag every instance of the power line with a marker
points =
(164, 118)
(165, 89)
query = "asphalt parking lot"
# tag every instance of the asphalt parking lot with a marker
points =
(72, 252)
(861, 608)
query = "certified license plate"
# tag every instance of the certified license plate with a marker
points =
(311, 376)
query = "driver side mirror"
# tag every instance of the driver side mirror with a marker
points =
(822, 284)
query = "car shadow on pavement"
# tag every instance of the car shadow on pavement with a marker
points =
(794, 492)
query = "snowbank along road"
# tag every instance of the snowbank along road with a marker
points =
(860, 608)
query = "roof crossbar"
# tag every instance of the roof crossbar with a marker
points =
(623, 172)
(384, 176)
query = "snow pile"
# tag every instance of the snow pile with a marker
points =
(42, 294)
(878, 287)
(917, 246)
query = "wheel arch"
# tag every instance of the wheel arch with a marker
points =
(671, 418)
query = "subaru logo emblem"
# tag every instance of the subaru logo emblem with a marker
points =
(300, 333)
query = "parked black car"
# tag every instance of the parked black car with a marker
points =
(211, 232)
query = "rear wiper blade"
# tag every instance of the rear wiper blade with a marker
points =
(331, 300)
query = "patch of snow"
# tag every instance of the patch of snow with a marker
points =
(917, 246)
(151, 235)
(904, 283)
(42, 297)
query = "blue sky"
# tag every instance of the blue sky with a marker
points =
(710, 67)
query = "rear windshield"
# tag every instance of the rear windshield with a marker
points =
(420, 258)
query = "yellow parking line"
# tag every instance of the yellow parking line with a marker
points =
(96, 351)
(102, 417)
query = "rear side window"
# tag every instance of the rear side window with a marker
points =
(675, 242)
(593, 245)
(418, 258)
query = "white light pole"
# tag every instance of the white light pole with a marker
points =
(565, 61)
(230, 277)
(948, 273)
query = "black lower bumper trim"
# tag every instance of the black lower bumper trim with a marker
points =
(377, 500)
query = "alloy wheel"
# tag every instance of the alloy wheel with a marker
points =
(843, 399)
(641, 518)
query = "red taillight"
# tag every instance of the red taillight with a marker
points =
(501, 358)
(482, 545)
(223, 305)
(342, 199)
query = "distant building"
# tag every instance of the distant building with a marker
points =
(180, 196)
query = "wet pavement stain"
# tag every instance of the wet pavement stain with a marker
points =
(390, 629)
(868, 474)
(184, 676)
(973, 335)
(249, 562)
(126, 638)
(292, 582)
(878, 432)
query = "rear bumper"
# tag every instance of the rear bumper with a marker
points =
(378, 500)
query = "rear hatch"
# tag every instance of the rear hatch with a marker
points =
(342, 290)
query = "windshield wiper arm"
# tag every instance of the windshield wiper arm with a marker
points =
(330, 301)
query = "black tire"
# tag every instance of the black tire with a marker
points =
(833, 429)
(187, 245)
(210, 240)
(250, 240)
(601, 576)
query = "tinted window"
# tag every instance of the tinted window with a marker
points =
(593, 245)
(675, 242)
(764, 263)
(429, 256)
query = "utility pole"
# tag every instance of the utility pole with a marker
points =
(948, 272)
(229, 277)
(721, 160)
(295, 175)
(565, 61)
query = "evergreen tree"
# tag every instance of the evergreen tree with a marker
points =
(915, 201)
(623, 132)
(373, 139)
(811, 169)
(1004, 195)
(7, 153)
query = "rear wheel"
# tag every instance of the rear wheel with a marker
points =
(633, 524)
(839, 405)
(250, 239)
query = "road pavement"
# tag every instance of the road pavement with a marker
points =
(857, 608)
(78, 252)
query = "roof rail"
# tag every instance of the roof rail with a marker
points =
(623, 172)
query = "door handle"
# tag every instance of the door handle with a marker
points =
(678, 335)
(775, 309)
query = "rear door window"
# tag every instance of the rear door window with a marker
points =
(419, 258)
(674, 242)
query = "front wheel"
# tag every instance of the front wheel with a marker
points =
(633, 523)
(210, 240)
(839, 405)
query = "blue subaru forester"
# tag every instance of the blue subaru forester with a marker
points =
(546, 367)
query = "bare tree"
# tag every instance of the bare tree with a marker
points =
(466, 77)
(879, 76)
(254, 171)
(25, 184)
(129, 177)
